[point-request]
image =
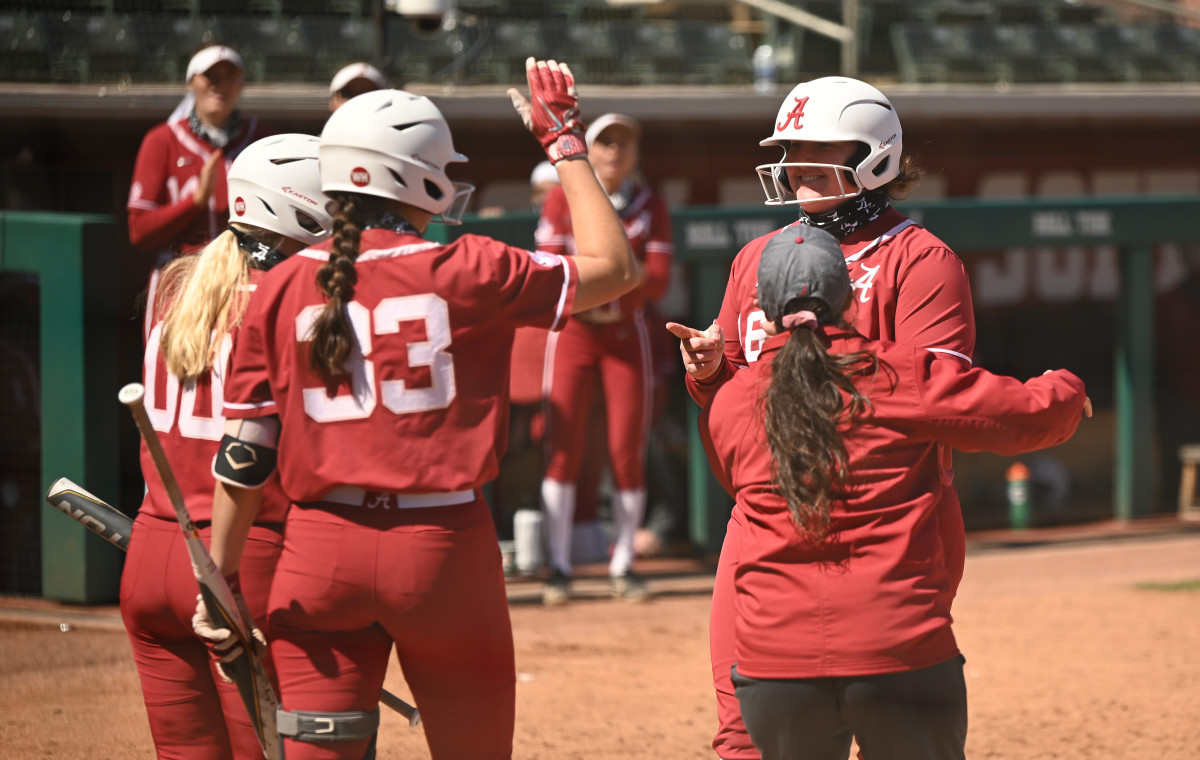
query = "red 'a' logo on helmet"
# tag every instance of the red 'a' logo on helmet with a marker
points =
(360, 176)
(796, 114)
(239, 207)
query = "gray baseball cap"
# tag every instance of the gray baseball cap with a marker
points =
(803, 262)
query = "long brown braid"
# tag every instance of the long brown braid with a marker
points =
(804, 409)
(332, 334)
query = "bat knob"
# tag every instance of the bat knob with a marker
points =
(132, 394)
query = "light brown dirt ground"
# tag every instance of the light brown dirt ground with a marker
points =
(1068, 656)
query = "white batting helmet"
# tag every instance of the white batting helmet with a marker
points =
(836, 109)
(393, 144)
(275, 184)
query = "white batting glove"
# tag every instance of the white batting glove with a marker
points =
(223, 642)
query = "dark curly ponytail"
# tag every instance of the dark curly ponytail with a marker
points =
(332, 334)
(804, 407)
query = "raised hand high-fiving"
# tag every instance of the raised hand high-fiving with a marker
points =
(552, 111)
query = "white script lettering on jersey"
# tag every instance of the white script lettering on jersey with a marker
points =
(864, 282)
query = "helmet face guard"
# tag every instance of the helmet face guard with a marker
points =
(452, 216)
(779, 190)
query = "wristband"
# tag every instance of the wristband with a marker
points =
(566, 146)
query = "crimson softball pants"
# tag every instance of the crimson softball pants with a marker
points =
(352, 581)
(618, 356)
(915, 715)
(193, 714)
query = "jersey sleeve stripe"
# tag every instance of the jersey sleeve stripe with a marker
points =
(964, 357)
(143, 205)
(560, 309)
(243, 407)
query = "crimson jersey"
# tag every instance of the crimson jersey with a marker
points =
(908, 287)
(187, 417)
(424, 406)
(161, 212)
(647, 224)
(870, 600)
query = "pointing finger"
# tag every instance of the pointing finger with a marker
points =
(683, 332)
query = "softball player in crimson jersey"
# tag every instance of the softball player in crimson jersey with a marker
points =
(276, 186)
(829, 443)
(609, 344)
(178, 200)
(382, 361)
(842, 164)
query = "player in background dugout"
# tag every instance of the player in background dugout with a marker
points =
(843, 164)
(179, 199)
(352, 80)
(829, 444)
(608, 346)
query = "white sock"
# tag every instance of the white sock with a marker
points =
(558, 503)
(628, 507)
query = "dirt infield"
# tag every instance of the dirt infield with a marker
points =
(1086, 649)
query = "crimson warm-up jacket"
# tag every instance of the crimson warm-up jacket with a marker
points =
(873, 598)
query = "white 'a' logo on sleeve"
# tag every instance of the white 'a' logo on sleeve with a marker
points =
(864, 283)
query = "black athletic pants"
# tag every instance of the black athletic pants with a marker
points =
(915, 715)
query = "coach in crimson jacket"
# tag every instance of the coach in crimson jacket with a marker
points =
(885, 610)
(836, 632)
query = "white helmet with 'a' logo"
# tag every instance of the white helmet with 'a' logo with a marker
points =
(275, 184)
(393, 144)
(836, 109)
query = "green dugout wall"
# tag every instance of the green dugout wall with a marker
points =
(74, 261)
(707, 239)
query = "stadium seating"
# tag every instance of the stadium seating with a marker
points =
(715, 54)
(169, 40)
(596, 50)
(337, 41)
(655, 53)
(930, 52)
(411, 56)
(506, 45)
(1179, 48)
(274, 49)
(93, 48)
(24, 54)
(625, 43)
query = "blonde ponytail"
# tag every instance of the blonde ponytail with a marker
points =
(203, 296)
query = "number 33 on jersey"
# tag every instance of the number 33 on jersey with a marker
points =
(433, 327)
(386, 319)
